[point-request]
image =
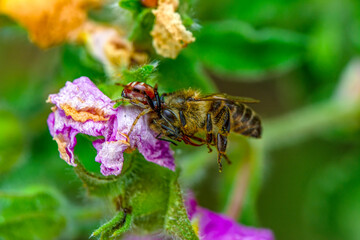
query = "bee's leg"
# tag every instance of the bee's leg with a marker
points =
(145, 111)
(132, 101)
(198, 139)
(227, 158)
(158, 102)
(225, 128)
(182, 119)
(164, 139)
(170, 131)
(122, 100)
(209, 131)
(221, 141)
(187, 140)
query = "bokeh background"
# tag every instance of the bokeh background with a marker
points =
(299, 57)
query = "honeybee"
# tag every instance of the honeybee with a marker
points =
(186, 115)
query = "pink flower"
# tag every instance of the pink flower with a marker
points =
(214, 226)
(80, 107)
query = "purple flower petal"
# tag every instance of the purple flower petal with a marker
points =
(147, 237)
(110, 155)
(191, 205)
(82, 108)
(220, 227)
(143, 138)
(84, 100)
(64, 130)
(216, 226)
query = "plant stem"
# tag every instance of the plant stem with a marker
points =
(309, 121)
(237, 199)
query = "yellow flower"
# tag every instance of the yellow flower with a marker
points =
(169, 34)
(49, 22)
(53, 22)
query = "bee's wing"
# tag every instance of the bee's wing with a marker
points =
(227, 98)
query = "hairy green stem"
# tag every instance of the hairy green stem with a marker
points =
(309, 121)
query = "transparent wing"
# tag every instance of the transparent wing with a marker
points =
(227, 98)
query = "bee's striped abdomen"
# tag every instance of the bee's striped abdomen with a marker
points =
(244, 120)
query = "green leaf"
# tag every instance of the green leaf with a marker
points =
(140, 33)
(31, 214)
(144, 190)
(134, 6)
(330, 47)
(186, 11)
(332, 194)
(261, 12)
(6, 21)
(12, 141)
(177, 222)
(143, 23)
(183, 72)
(24, 91)
(141, 74)
(235, 48)
(116, 226)
(77, 62)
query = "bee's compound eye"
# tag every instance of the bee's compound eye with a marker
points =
(169, 115)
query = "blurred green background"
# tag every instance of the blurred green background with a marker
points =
(300, 58)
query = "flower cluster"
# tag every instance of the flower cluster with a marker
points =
(80, 107)
(48, 24)
(169, 34)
